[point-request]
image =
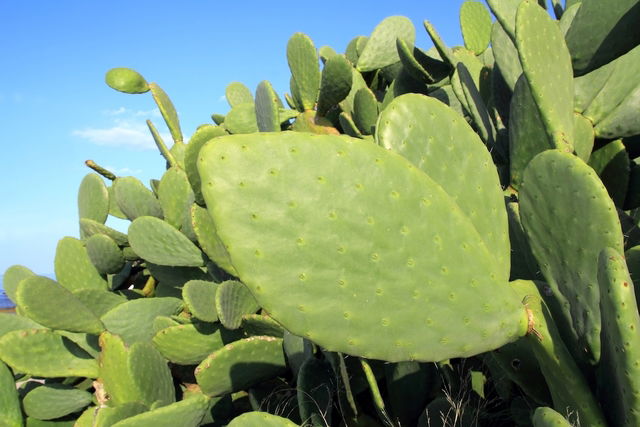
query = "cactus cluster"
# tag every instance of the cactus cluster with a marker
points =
(416, 238)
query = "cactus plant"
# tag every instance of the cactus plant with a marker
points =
(350, 258)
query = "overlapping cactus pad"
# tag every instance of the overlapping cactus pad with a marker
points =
(356, 249)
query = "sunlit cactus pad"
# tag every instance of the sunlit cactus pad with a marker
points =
(353, 247)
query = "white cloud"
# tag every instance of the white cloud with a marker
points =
(124, 171)
(127, 129)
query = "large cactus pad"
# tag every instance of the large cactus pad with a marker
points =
(353, 247)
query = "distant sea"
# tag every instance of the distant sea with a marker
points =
(4, 301)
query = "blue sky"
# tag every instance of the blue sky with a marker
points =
(56, 111)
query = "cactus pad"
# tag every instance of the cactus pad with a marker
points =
(73, 267)
(233, 300)
(133, 320)
(191, 344)
(619, 367)
(200, 297)
(380, 49)
(430, 135)
(158, 242)
(567, 262)
(305, 70)
(45, 353)
(237, 93)
(126, 80)
(9, 402)
(134, 199)
(546, 63)
(93, 198)
(12, 278)
(475, 23)
(51, 401)
(105, 254)
(403, 227)
(52, 305)
(186, 413)
(240, 364)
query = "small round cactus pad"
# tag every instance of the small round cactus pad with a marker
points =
(353, 247)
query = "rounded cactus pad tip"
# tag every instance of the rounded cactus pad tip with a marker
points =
(126, 80)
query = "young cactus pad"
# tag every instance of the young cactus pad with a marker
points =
(351, 246)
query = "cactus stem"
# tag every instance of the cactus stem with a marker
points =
(161, 145)
(531, 324)
(102, 171)
(149, 287)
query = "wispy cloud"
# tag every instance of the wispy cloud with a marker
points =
(124, 171)
(127, 129)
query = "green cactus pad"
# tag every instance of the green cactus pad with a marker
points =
(171, 279)
(442, 49)
(475, 23)
(546, 63)
(527, 136)
(315, 390)
(105, 254)
(201, 135)
(547, 417)
(108, 416)
(208, 239)
(200, 298)
(428, 133)
(612, 165)
(168, 111)
(608, 96)
(601, 31)
(569, 389)
(133, 320)
(506, 55)
(297, 350)
(365, 111)
(9, 401)
(261, 419)
(44, 353)
(242, 119)
(93, 198)
(73, 267)
(90, 227)
(584, 135)
(477, 109)
(315, 181)
(305, 70)
(51, 305)
(419, 70)
(267, 108)
(134, 199)
(566, 261)
(523, 263)
(354, 48)
(505, 13)
(12, 278)
(335, 83)
(158, 242)
(185, 413)
(240, 365)
(409, 385)
(175, 195)
(126, 80)
(348, 125)
(136, 374)
(619, 368)
(51, 401)
(380, 49)
(261, 324)
(233, 300)
(11, 322)
(521, 366)
(237, 93)
(191, 344)
(99, 302)
(114, 209)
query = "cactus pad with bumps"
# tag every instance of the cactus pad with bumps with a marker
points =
(45, 353)
(565, 244)
(241, 364)
(284, 205)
